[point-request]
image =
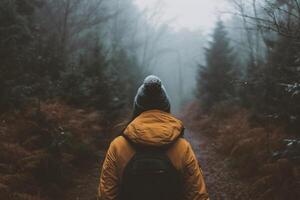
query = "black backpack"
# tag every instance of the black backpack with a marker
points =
(150, 175)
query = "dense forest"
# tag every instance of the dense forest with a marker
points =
(248, 98)
(70, 69)
(56, 49)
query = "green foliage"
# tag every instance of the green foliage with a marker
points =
(217, 79)
(271, 89)
(281, 77)
(271, 86)
(15, 36)
(38, 62)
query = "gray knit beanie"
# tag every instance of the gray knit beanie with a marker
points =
(151, 95)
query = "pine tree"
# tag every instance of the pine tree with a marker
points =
(281, 82)
(216, 80)
(16, 39)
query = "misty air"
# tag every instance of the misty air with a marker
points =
(149, 99)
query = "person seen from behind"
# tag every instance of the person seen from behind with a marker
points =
(151, 160)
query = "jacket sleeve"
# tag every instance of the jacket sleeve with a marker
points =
(109, 181)
(194, 185)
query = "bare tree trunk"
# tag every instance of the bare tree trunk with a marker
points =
(240, 7)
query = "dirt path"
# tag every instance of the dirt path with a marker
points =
(220, 180)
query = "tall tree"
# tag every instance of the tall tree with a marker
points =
(273, 86)
(16, 49)
(216, 80)
(281, 81)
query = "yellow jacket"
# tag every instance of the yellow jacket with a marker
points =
(154, 128)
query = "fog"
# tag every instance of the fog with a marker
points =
(70, 69)
(189, 25)
(190, 14)
(135, 38)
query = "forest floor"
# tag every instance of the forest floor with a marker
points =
(57, 153)
(86, 184)
(220, 180)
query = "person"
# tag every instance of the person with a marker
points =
(152, 127)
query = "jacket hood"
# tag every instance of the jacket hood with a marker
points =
(154, 128)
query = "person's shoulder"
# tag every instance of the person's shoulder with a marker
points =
(183, 145)
(183, 142)
(178, 152)
(119, 140)
(118, 144)
(121, 150)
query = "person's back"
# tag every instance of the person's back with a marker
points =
(151, 159)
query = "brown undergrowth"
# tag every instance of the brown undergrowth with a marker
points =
(248, 145)
(42, 149)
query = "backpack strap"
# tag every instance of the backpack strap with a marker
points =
(163, 148)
